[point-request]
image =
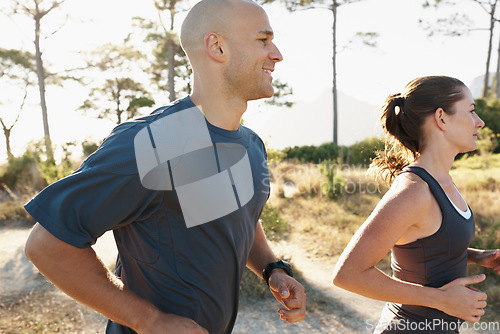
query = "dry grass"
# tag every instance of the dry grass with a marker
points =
(47, 310)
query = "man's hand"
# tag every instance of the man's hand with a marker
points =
(489, 258)
(290, 294)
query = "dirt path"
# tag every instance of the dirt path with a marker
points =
(330, 309)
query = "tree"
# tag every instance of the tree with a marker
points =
(489, 111)
(166, 50)
(118, 94)
(169, 54)
(487, 142)
(16, 70)
(331, 5)
(281, 93)
(458, 25)
(38, 10)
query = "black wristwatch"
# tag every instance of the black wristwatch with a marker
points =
(266, 273)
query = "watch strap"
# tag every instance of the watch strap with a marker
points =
(266, 273)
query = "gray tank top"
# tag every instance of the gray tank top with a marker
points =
(435, 260)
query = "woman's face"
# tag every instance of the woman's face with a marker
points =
(464, 124)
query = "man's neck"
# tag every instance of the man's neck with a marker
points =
(223, 113)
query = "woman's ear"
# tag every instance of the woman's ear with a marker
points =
(440, 118)
(213, 46)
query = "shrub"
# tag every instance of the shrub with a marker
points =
(22, 172)
(364, 151)
(273, 225)
(316, 154)
(89, 147)
(335, 184)
(11, 211)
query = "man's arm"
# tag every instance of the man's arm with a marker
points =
(285, 289)
(81, 274)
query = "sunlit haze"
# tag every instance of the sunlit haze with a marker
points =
(403, 52)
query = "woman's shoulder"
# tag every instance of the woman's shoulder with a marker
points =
(409, 192)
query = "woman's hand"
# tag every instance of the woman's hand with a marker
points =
(461, 301)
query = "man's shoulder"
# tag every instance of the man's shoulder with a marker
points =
(117, 151)
(137, 124)
(253, 136)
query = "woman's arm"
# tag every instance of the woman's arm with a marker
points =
(398, 214)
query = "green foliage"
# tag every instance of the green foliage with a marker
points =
(487, 141)
(336, 182)
(166, 48)
(30, 172)
(364, 151)
(360, 153)
(117, 95)
(275, 155)
(123, 95)
(316, 154)
(11, 60)
(281, 94)
(11, 211)
(489, 111)
(51, 171)
(18, 172)
(139, 102)
(88, 148)
(273, 225)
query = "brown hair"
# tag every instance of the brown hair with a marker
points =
(402, 118)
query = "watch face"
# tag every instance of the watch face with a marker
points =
(286, 263)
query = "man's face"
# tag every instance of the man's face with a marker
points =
(252, 54)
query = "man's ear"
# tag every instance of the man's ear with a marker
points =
(213, 46)
(440, 118)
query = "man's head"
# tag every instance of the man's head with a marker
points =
(231, 41)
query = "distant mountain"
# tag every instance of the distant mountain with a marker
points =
(476, 86)
(311, 123)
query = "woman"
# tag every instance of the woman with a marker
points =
(423, 218)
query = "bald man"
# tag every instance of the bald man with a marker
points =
(182, 189)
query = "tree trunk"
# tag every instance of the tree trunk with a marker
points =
(6, 132)
(171, 67)
(119, 111)
(487, 73)
(41, 85)
(497, 90)
(334, 61)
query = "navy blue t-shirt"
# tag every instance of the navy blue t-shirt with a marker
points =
(184, 260)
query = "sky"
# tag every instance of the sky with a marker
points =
(403, 52)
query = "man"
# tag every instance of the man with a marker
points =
(182, 190)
